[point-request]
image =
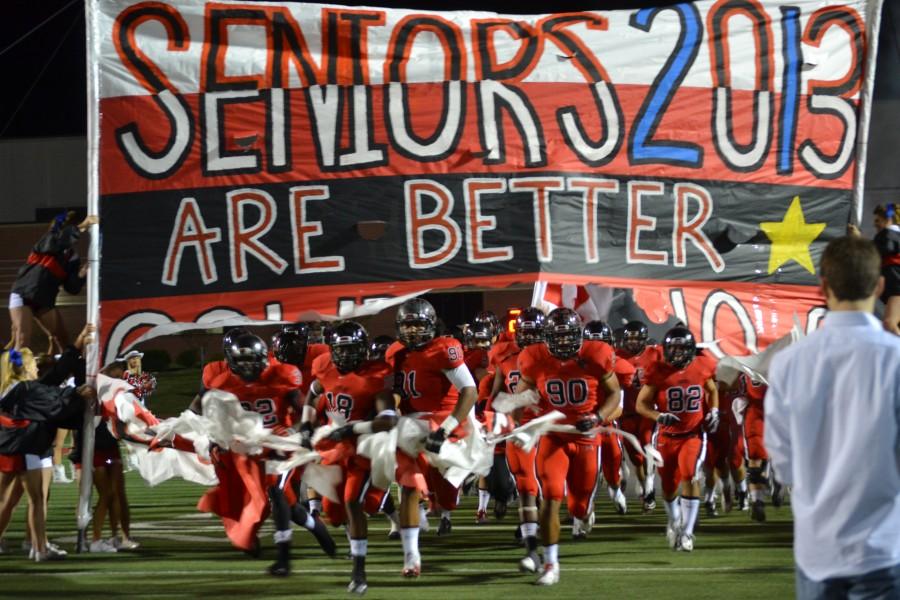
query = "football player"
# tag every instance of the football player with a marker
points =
(725, 456)
(505, 360)
(429, 377)
(294, 345)
(359, 390)
(271, 390)
(756, 456)
(611, 445)
(379, 347)
(633, 347)
(681, 395)
(576, 378)
(480, 338)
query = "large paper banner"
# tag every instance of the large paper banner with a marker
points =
(272, 158)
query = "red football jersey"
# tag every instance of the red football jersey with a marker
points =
(754, 393)
(269, 395)
(682, 393)
(626, 373)
(475, 359)
(313, 351)
(419, 374)
(651, 354)
(486, 385)
(742, 388)
(569, 386)
(505, 357)
(213, 370)
(352, 394)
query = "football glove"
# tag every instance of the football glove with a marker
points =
(435, 440)
(712, 420)
(666, 419)
(586, 423)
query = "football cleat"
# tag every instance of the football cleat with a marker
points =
(711, 509)
(412, 564)
(500, 509)
(777, 494)
(358, 586)
(672, 537)
(758, 511)
(445, 527)
(480, 519)
(580, 528)
(550, 576)
(279, 569)
(394, 533)
(650, 501)
(530, 563)
(686, 543)
(621, 504)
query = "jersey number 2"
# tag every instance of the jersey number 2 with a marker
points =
(265, 407)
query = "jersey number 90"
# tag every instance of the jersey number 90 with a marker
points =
(571, 391)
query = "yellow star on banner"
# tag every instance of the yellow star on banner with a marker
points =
(791, 238)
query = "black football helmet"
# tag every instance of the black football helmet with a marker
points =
(231, 335)
(247, 356)
(634, 337)
(289, 345)
(481, 335)
(562, 333)
(530, 327)
(598, 331)
(679, 347)
(378, 347)
(489, 320)
(349, 344)
(416, 323)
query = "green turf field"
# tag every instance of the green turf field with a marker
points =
(185, 555)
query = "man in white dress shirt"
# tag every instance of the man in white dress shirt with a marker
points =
(832, 413)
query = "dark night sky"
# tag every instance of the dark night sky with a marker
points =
(52, 58)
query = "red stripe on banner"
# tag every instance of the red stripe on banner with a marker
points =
(243, 129)
(769, 307)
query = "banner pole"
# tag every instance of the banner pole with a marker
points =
(873, 26)
(92, 353)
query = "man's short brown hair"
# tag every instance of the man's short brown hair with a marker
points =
(851, 266)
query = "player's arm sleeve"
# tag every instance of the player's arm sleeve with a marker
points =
(778, 422)
(308, 412)
(460, 377)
